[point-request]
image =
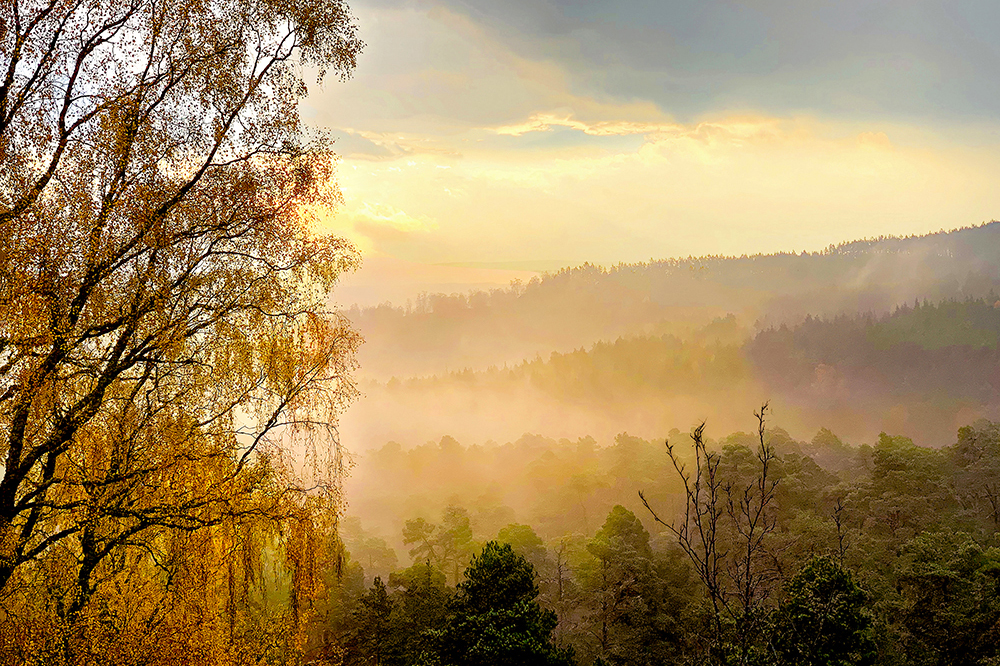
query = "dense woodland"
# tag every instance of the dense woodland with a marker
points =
(699, 547)
(924, 369)
(819, 552)
(578, 306)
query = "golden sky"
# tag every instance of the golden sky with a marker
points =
(526, 135)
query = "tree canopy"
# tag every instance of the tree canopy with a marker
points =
(495, 618)
(170, 372)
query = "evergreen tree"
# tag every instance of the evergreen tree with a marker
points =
(374, 631)
(823, 622)
(634, 617)
(950, 610)
(422, 602)
(495, 618)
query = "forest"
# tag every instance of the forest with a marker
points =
(814, 552)
(206, 459)
(703, 543)
(923, 367)
(562, 310)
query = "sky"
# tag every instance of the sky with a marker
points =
(485, 140)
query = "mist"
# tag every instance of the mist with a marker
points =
(547, 412)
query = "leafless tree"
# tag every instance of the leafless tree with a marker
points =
(724, 531)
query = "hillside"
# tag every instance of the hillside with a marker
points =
(579, 306)
(922, 370)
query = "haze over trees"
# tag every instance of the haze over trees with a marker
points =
(578, 306)
(923, 368)
(771, 550)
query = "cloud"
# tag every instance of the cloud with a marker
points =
(732, 129)
(371, 225)
(384, 216)
(544, 122)
(356, 145)
(496, 132)
(627, 191)
(437, 72)
(381, 146)
(852, 59)
(443, 67)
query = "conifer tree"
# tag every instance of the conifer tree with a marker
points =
(495, 618)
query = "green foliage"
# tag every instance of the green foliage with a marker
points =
(933, 326)
(910, 489)
(634, 611)
(664, 363)
(914, 368)
(497, 578)
(372, 552)
(374, 636)
(447, 545)
(913, 525)
(949, 612)
(495, 618)
(420, 604)
(456, 538)
(621, 532)
(527, 544)
(823, 621)
(423, 536)
(976, 456)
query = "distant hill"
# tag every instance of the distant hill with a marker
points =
(922, 370)
(575, 307)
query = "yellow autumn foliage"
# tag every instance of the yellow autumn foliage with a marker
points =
(170, 369)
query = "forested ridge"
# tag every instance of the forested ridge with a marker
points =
(925, 368)
(581, 305)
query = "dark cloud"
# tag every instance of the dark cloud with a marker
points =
(906, 58)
